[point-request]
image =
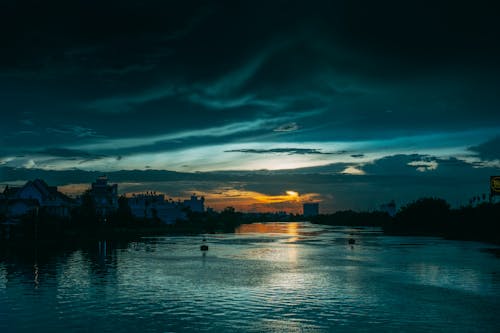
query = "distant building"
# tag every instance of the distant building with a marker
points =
(33, 196)
(389, 208)
(311, 209)
(195, 204)
(105, 196)
(152, 205)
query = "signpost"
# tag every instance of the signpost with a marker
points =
(494, 186)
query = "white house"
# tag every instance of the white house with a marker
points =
(195, 204)
(152, 205)
(20, 207)
(36, 194)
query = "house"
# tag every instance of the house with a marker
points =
(21, 207)
(36, 195)
(152, 205)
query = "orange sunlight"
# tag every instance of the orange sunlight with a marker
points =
(290, 228)
(250, 201)
(73, 190)
(245, 201)
(289, 196)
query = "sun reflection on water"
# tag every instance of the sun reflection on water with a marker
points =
(268, 277)
(288, 228)
(287, 234)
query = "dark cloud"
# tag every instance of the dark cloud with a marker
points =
(90, 80)
(168, 60)
(77, 131)
(489, 150)
(287, 127)
(397, 165)
(27, 122)
(290, 151)
(385, 179)
(68, 154)
(421, 31)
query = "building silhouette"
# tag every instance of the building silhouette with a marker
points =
(105, 196)
(154, 206)
(35, 195)
(195, 204)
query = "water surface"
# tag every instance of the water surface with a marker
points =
(272, 277)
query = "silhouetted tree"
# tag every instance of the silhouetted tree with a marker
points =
(123, 215)
(424, 216)
(352, 218)
(228, 210)
(86, 215)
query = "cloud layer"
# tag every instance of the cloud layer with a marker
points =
(361, 92)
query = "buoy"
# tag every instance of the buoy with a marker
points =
(204, 247)
(351, 241)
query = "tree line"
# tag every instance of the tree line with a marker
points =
(428, 217)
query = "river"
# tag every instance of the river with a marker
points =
(266, 277)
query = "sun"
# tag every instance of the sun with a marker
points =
(292, 194)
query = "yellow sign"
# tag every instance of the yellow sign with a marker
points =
(495, 185)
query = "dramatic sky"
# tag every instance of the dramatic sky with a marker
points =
(347, 103)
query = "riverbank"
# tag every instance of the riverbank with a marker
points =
(424, 217)
(49, 231)
(428, 217)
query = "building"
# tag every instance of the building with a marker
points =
(105, 196)
(37, 196)
(15, 208)
(195, 204)
(152, 205)
(311, 209)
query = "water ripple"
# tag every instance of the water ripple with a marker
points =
(295, 279)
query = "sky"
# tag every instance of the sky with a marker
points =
(261, 105)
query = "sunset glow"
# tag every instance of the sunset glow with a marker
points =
(289, 201)
(308, 106)
(249, 166)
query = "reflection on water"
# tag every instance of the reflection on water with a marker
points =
(289, 228)
(278, 277)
